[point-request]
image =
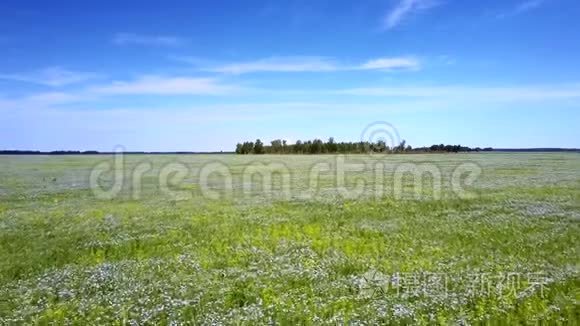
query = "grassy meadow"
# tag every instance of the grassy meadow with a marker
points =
(504, 249)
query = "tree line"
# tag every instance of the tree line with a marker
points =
(317, 146)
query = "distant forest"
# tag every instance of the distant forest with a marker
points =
(318, 146)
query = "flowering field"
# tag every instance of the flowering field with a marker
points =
(212, 239)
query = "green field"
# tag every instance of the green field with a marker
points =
(302, 250)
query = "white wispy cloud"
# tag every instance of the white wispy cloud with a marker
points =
(431, 96)
(141, 86)
(406, 8)
(42, 100)
(522, 7)
(313, 64)
(472, 93)
(160, 85)
(529, 5)
(51, 76)
(278, 64)
(148, 40)
(401, 63)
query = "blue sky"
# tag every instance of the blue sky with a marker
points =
(199, 76)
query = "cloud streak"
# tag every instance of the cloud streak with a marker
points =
(472, 93)
(386, 64)
(179, 86)
(522, 7)
(404, 9)
(51, 76)
(43, 100)
(313, 64)
(151, 85)
(159, 85)
(278, 64)
(148, 40)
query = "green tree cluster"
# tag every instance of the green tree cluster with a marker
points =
(317, 146)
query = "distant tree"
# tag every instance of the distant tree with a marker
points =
(331, 146)
(258, 147)
(298, 147)
(239, 148)
(247, 147)
(316, 147)
(307, 146)
(381, 146)
(276, 146)
(401, 147)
